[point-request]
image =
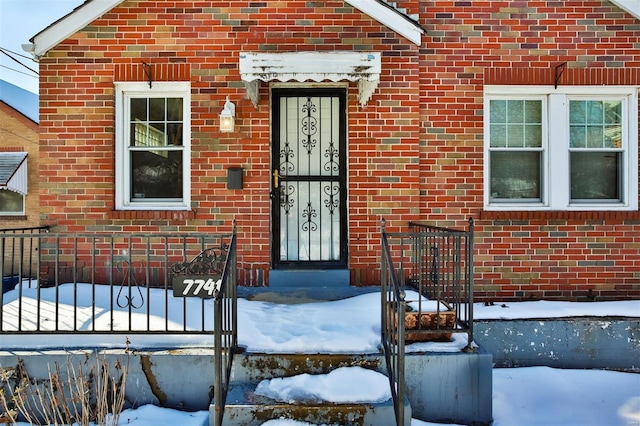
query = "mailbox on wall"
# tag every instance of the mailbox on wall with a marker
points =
(234, 178)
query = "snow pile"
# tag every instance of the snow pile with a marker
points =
(342, 385)
(565, 397)
(556, 309)
(343, 326)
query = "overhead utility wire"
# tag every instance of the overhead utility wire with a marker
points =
(18, 54)
(2, 50)
(18, 71)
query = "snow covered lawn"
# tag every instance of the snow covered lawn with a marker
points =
(344, 326)
(521, 396)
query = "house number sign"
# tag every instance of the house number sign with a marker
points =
(196, 286)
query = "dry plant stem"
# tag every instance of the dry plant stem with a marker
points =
(59, 401)
(8, 414)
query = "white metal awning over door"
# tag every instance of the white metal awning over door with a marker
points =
(363, 67)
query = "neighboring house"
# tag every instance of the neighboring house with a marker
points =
(520, 114)
(19, 200)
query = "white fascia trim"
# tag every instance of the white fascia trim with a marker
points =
(69, 25)
(631, 6)
(394, 21)
(90, 11)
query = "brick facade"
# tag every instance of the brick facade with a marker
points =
(19, 134)
(415, 150)
(523, 255)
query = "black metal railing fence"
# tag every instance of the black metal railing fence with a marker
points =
(226, 330)
(437, 263)
(393, 339)
(75, 281)
(19, 254)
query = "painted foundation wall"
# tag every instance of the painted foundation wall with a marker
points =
(453, 386)
(612, 343)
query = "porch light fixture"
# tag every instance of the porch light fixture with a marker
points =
(228, 117)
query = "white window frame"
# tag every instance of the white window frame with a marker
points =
(555, 174)
(124, 92)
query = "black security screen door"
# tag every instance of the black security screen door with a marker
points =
(309, 179)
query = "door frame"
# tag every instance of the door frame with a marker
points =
(277, 93)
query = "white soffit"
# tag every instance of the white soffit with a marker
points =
(13, 172)
(68, 25)
(391, 18)
(631, 6)
(90, 10)
(363, 67)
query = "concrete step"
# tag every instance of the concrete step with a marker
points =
(252, 367)
(244, 407)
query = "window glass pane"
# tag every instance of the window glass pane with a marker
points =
(156, 109)
(595, 124)
(139, 109)
(533, 111)
(11, 202)
(613, 124)
(533, 136)
(515, 136)
(594, 112)
(516, 123)
(515, 175)
(156, 174)
(156, 132)
(577, 114)
(498, 112)
(595, 175)
(577, 136)
(174, 134)
(174, 109)
(498, 135)
(594, 136)
(515, 111)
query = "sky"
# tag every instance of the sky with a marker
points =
(20, 20)
(530, 396)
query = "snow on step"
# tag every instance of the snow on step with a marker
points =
(342, 385)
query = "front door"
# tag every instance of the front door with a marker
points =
(309, 179)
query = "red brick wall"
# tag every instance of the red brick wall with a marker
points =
(415, 150)
(522, 255)
(187, 40)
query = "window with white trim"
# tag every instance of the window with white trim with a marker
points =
(153, 146)
(570, 148)
(11, 203)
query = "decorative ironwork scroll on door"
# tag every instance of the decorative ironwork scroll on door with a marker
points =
(309, 179)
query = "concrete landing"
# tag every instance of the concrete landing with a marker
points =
(309, 278)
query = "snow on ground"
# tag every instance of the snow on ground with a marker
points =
(534, 396)
(531, 396)
(262, 326)
(555, 309)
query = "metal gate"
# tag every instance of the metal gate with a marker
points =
(309, 179)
